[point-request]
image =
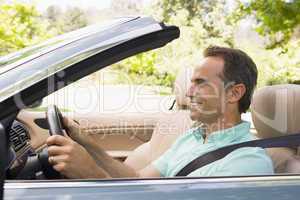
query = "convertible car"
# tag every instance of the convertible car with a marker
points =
(28, 76)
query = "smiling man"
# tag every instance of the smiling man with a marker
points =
(221, 90)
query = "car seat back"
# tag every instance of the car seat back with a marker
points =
(171, 125)
(275, 112)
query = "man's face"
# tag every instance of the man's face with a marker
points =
(206, 92)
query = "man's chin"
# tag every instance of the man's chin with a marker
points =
(194, 116)
(200, 117)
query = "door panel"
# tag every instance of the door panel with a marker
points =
(118, 134)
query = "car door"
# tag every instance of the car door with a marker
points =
(212, 188)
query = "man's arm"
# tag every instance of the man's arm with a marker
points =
(115, 168)
(106, 165)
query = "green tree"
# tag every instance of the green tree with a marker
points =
(211, 18)
(125, 7)
(74, 18)
(65, 21)
(202, 23)
(278, 20)
(144, 69)
(21, 26)
(54, 15)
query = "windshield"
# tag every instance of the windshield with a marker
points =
(78, 46)
(12, 60)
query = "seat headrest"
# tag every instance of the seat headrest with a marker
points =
(181, 86)
(275, 110)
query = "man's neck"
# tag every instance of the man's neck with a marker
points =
(221, 124)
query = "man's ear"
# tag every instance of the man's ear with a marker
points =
(236, 92)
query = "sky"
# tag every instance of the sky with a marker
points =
(44, 4)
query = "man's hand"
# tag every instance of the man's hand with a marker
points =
(77, 133)
(71, 159)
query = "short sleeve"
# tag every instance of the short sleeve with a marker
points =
(161, 164)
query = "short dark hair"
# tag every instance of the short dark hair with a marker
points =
(238, 68)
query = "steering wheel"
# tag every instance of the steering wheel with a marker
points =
(40, 161)
(54, 119)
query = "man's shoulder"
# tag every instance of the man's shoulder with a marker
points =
(258, 155)
(247, 161)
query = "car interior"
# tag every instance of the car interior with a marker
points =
(139, 138)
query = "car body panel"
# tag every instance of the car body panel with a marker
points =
(277, 187)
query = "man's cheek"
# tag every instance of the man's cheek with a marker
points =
(211, 106)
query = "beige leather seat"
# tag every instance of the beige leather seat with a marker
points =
(170, 126)
(275, 112)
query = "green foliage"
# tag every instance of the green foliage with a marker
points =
(194, 8)
(286, 68)
(143, 69)
(277, 19)
(65, 21)
(20, 26)
(274, 65)
(211, 19)
(284, 77)
(201, 23)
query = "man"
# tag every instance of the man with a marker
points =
(221, 89)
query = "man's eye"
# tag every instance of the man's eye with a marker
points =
(200, 82)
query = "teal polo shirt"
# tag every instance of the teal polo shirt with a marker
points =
(242, 161)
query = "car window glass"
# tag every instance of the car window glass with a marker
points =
(101, 93)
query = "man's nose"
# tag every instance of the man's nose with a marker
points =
(190, 91)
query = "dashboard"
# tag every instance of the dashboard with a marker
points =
(19, 137)
(26, 139)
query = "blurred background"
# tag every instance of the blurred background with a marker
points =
(269, 31)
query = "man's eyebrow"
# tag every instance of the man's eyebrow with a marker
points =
(199, 80)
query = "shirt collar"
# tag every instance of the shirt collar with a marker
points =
(225, 136)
